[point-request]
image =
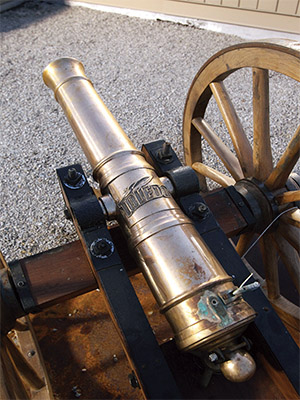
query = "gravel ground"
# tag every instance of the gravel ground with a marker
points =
(141, 68)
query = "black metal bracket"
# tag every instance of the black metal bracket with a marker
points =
(184, 180)
(11, 307)
(269, 327)
(144, 353)
(153, 152)
(22, 287)
(239, 202)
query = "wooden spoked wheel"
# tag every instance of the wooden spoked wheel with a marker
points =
(22, 372)
(246, 155)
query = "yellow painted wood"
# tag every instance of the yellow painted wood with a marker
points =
(25, 370)
(226, 156)
(12, 382)
(289, 313)
(230, 3)
(291, 234)
(213, 174)
(262, 152)
(214, 2)
(285, 165)
(246, 14)
(288, 7)
(288, 197)
(292, 218)
(283, 57)
(251, 4)
(269, 255)
(234, 126)
(257, 55)
(267, 5)
(244, 243)
(290, 258)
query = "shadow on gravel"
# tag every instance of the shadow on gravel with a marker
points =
(28, 13)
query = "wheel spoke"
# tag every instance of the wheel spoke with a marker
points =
(24, 368)
(292, 218)
(274, 173)
(244, 242)
(234, 126)
(291, 234)
(288, 197)
(285, 165)
(289, 313)
(228, 158)
(289, 257)
(213, 174)
(195, 153)
(19, 326)
(15, 385)
(270, 261)
(262, 152)
(4, 392)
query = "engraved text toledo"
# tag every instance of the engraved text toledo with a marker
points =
(139, 193)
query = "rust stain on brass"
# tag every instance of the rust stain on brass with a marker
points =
(148, 214)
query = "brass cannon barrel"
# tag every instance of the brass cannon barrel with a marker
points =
(183, 274)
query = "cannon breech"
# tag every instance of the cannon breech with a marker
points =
(193, 291)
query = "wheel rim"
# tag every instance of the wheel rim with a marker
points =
(22, 370)
(246, 160)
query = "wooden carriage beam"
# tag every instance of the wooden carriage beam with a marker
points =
(64, 272)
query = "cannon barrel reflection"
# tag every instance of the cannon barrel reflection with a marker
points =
(184, 276)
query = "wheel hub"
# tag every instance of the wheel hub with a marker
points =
(260, 200)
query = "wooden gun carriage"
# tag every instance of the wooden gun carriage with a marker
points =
(255, 201)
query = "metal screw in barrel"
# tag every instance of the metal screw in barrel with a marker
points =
(74, 179)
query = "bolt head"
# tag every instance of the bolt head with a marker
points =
(198, 210)
(202, 207)
(164, 154)
(31, 353)
(74, 179)
(133, 381)
(76, 391)
(72, 174)
(214, 302)
(213, 357)
(102, 248)
(115, 358)
(67, 214)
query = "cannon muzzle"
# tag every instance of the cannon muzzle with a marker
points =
(188, 282)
